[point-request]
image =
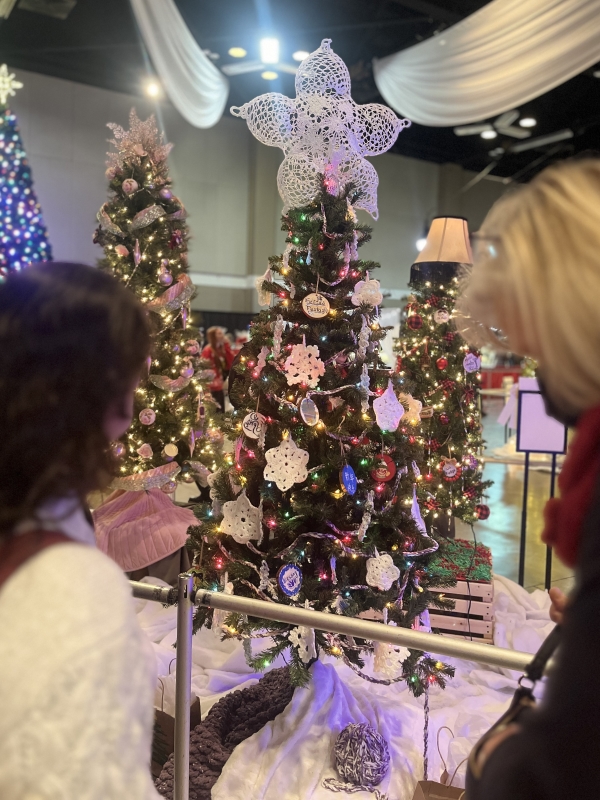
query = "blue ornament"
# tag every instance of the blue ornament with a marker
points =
(348, 479)
(289, 578)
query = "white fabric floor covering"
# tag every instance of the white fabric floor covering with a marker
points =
(290, 757)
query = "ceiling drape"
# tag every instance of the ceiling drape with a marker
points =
(194, 85)
(500, 57)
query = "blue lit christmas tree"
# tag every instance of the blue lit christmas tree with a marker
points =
(23, 236)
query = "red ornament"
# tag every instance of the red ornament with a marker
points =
(414, 322)
(449, 337)
(470, 493)
(444, 419)
(441, 363)
(398, 363)
(432, 504)
(433, 300)
(482, 511)
(384, 469)
(434, 445)
(448, 386)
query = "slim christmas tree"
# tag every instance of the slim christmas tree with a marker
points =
(446, 377)
(23, 237)
(144, 234)
(317, 507)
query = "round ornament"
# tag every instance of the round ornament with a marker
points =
(482, 511)
(187, 474)
(170, 451)
(289, 579)
(254, 424)
(348, 479)
(192, 347)
(441, 363)
(165, 278)
(187, 370)
(470, 462)
(121, 250)
(175, 348)
(169, 487)
(471, 362)
(315, 305)
(444, 419)
(145, 451)
(164, 263)
(165, 193)
(129, 186)
(415, 322)
(450, 469)
(147, 416)
(362, 756)
(118, 449)
(384, 469)
(441, 316)
(309, 411)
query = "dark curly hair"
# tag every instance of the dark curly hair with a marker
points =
(72, 342)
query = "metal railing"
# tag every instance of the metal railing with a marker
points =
(186, 599)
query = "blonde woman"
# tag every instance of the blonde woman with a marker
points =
(536, 282)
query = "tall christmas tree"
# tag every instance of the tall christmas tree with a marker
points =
(317, 508)
(144, 234)
(23, 237)
(445, 373)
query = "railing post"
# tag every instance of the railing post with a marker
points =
(183, 687)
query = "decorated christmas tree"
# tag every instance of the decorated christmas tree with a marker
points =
(317, 507)
(444, 371)
(144, 233)
(23, 237)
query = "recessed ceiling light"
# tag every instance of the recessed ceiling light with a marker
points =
(488, 134)
(269, 50)
(300, 55)
(421, 244)
(527, 122)
(237, 52)
(152, 88)
(269, 75)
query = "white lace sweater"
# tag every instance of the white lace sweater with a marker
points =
(77, 677)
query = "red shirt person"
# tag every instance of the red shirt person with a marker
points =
(218, 352)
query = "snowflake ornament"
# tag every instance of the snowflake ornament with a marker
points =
(8, 84)
(241, 520)
(323, 132)
(367, 293)
(286, 465)
(303, 365)
(303, 638)
(381, 571)
(388, 660)
(388, 409)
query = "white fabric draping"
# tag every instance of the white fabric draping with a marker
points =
(505, 54)
(195, 86)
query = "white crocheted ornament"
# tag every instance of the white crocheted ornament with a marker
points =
(323, 131)
(286, 465)
(388, 660)
(241, 520)
(381, 571)
(367, 292)
(303, 365)
(388, 409)
(304, 639)
(218, 615)
(264, 295)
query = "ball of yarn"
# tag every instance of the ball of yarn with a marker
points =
(362, 756)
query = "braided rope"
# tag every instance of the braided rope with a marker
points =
(426, 734)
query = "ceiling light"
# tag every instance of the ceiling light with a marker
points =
(269, 75)
(488, 134)
(300, 55)
(269, 51)
(237, 52)
(527, 122)
(421, 244)
(152, 88)
(596, 73)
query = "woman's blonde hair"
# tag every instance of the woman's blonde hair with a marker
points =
(535, 285)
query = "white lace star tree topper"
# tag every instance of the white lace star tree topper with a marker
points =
(323, 132)
(8, 84)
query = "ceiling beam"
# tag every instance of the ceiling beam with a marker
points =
(434, 12)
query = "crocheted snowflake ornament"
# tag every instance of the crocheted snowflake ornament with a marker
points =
(241, 520)
(286, 465)
(388, 409)
(303, 365)
(323, 132)
(367, 292)
(381, 571)
(304, 639)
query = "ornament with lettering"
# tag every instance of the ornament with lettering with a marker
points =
(441, 316)
(309, 411)
(289, 579)
(427, 412)
(471, 362)
(384, 469)
(388, 409)
(367, 293)
(315, 305)
(451, 470)
(303, 365)
(382, 572)
(254, 425)
(241, 520)
(147, 416)
(348, 479)
(286, 465)
(170, 451)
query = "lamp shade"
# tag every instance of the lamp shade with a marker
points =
(447, 247)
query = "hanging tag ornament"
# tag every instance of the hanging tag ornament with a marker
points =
(367, 292)
(388, 409)
(384, 469)
(254, 425)
(289, 579)
(471, 362)
(441, 316)
(309, 411)
(315, 305)
(348, 479)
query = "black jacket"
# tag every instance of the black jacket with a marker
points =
(556, 756)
